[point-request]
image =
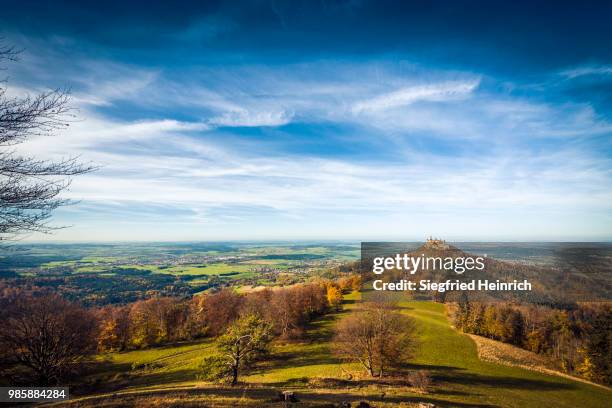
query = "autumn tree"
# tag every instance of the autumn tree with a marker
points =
(114, 328)
(350, 283)
(356, 283)
(513, 328)
(597, 363)
(159, 320)
(334, 296)
(30, 187)
(376, 337)
(245, 341)
(285, 314)
(312, 300)
(196, 325)
(47, 335)
(345, 284)
(221, 309)
(288, 310)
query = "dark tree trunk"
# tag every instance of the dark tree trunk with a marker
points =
(234, 375)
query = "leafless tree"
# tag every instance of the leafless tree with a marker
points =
(47, 335)
(30, 187)
(377, 337)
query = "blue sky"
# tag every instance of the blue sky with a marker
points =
(326, 120)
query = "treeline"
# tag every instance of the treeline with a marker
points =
(579, 340)
(120, 286)
(165, 320)
(45, 338)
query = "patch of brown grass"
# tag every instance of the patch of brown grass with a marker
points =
(506, 354)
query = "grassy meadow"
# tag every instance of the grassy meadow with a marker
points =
(167, 376)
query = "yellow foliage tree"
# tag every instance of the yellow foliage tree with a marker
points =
(334, 296)
(587, 368)
(108, 339)
(356, 283)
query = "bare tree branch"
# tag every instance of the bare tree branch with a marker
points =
(29, 187)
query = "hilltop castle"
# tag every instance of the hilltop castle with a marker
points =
(435, 243)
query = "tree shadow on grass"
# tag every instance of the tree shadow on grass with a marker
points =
(163, 378)
(431, 367)
(321, 330)
(299, 359)
(457, 375)
(440, 379)
(111, 377)
(503, 382)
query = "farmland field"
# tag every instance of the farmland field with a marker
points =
(98, 274)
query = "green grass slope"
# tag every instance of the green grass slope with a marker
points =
(167, 376)
(462, 378)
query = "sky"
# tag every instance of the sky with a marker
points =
(308, 120)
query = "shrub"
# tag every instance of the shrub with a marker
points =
(420, 379)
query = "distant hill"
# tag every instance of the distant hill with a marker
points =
(583, 275)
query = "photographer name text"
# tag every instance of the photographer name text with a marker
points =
(448, 285)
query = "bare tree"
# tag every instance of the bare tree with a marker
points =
(377, 337)
(30, 187)
(47, 335)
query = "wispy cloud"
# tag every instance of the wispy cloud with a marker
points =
(323, 148)
(437, 92)
(587, 71)
(244, 118)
